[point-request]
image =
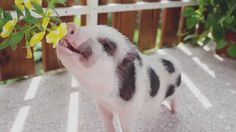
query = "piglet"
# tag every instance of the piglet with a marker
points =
(116, 75)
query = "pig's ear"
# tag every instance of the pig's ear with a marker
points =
(129, 60)
(109, 46)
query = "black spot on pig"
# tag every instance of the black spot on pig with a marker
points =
(154, 82)
(126, 74)
(178, 81)
(108, 45)
(85, 49)
(170, 91)
(139, 60)
(168, 65)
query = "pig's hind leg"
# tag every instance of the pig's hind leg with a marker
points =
(173, 105)
(170, 104)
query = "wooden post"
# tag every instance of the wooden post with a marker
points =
(148, 28)
(125, 21)
(14, 63)
(49, 59)
(83, 17)
(182, 26)
(170, 23)
(103, 17)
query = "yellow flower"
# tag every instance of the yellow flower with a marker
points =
(29, 53)
(29, 5)
(36, 38)
(55, 36)
(49, 12)
(62, 29)
(45, 22)
(8, 27)
(20, 4)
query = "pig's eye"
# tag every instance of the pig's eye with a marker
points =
(72, 32)
(108, 45)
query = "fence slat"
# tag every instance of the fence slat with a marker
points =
(170, 23)
(14, 63)
(148, 28)
(83, 17)
(103, 17)
(183, 27)
(125, 21)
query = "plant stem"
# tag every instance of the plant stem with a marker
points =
(30, 28)
(232, 9)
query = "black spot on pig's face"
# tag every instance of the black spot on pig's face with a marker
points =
(109, 46)
(154, 82)
(85, 49)
(168, 65)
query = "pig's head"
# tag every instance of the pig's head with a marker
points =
(85, 47)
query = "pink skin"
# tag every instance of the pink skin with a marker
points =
(173, 106)
(70, 38)
(72, 42)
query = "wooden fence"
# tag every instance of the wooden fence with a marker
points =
(144, 18)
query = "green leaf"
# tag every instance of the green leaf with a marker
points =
(18, 11)
(4, 43)
(31, 20)
(37, 7)
(220, 44)
(1, 12)
(232, 50)
(218, 32)
(188, 11)
(7, 15)
(27, 12)
(203, 35)
(51, 3)
(15, 39)
(1, 20)
(206, 40)
(191, 22)
(210, 21)
(56, 20)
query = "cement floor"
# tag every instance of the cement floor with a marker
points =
(54, 103)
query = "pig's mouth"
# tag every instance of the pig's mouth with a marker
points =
(84, 50)
(69, 46)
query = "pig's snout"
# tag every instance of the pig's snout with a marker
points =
(72, 35)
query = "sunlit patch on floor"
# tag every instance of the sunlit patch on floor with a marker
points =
(72, 122)
(33, 88)
(218, 57)
(183, 48)
(20, 119)
(193, 88)
(232, 91)
(74, 82)
(204, 66)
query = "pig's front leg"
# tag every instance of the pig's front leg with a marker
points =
(127, 119)
(107, 117)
